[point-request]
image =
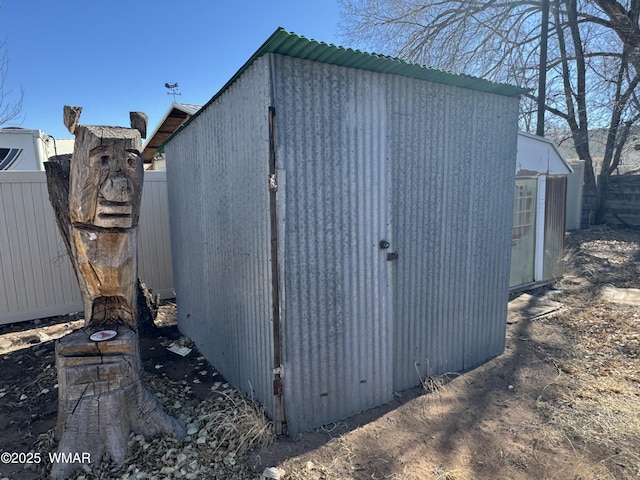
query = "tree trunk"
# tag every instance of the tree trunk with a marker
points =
(96, 195)
(101, 398)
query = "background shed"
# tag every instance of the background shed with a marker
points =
(539, 212)
(175, 117)
(339, 226)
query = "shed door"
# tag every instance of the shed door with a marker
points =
(524, 232)
(334, 213)
(554, 226)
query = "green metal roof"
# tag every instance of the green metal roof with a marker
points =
(293, 45)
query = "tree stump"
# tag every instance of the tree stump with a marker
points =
(96, 198)
(101, 397)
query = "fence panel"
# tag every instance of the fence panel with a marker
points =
(622, 205)
(573, 210)
(36, 276)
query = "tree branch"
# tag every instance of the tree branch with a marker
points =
(8, 110)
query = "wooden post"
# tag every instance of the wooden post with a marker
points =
(96, 198)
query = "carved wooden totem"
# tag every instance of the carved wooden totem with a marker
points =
(96, 197)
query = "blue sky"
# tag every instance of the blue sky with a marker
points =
(113, 57)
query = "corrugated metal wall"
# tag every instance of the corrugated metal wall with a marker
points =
(36, 277)
(219, 212)
(361, 157)
(554, 227)
(369, 157)
(334, 211)
(452, 161)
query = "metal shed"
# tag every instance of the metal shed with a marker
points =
(340, 226)
(539, 213)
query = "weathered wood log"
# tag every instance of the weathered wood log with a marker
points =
(96, 199)
(102, 397)
(71, 115)
(139, 122)
(57, 170)
(148, 306)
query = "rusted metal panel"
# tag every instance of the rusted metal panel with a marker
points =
(554, 227)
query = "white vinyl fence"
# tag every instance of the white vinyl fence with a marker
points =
(36, 276)
(574, 196)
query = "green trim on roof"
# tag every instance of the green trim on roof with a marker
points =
(293, 45)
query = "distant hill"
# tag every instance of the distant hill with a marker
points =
(597, 140)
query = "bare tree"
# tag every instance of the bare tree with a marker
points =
(9, 109)
(592, 68)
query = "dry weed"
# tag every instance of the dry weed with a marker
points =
(236, 423)
(433, 383)
(598, 402)
(450, 474)
(220, 430)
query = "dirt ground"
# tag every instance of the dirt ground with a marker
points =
(562, 402)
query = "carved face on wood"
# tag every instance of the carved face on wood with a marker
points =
(105, 189)
(106, 177)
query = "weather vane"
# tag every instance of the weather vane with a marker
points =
(173, 87)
